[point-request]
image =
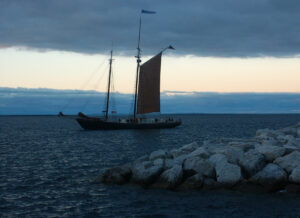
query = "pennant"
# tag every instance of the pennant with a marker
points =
(148, 12)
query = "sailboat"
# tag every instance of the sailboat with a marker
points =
(146, 99)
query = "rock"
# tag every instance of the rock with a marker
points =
(169, 163)
(270, 142)
(265, 134)
(186, 149)
(272, 177)
(298, 132)
(193, 182)
(289, 148)
(141, 159)
(228, 174)
(195, 164)
(145, 173)
(281, 139)
(289, 162)
(214, 148)
(295, 175)
(116, 175)
(210, 184)
(289, 131)
(170, 178)
(217, 159)
(270, 152)
(251, 163)
(180, 159)
(232, 154)
(245, 146)
(158, 154)
(200, 152)
(159, 162)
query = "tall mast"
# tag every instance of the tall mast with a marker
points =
(138, 60)
(108, 87)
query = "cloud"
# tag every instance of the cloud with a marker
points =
(229, 28)
(23, 101)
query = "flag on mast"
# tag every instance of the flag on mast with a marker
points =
(148, 12)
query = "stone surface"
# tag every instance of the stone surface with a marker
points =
(271, 152)
(289, 162)
(268, 162)
(245, 146)
(289, 148)
(193, 182)
(295, 175)
(186, 149)
(195, 164)
(210, 184)
(272, 177)
(170, 178)
(159, 162)
(228, 174)
(158, 154)
(200, 152)
(145, 173)
(180, 159)
(116, 175)
(252, 162)
(232, 154)
(217, 159)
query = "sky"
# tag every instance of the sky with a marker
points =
(228, 46)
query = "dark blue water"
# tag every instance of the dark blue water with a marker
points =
(47, 163)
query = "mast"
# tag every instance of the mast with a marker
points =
(138, 60)
(108, 87)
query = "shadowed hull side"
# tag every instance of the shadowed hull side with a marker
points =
(98, 124)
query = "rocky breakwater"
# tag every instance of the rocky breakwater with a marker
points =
(270, 161)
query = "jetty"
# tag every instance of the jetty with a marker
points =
(267, 162)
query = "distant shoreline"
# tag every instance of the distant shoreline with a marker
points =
(121, 115)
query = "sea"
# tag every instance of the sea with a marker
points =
(47, 165)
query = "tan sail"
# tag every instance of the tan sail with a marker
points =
(149, 86)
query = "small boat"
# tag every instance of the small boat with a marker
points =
(146, 99)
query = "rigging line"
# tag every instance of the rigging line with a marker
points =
(97, 84)
(84, 85)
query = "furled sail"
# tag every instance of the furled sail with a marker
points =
(149, 86)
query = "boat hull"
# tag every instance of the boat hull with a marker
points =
(99, 124)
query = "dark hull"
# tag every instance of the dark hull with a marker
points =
(98, 124)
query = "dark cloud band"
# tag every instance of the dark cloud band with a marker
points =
(229, 28)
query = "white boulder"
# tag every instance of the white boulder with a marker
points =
(245, 146)
(272, 177)
(232, 154)
(193, 165)
(158, 154)
(145, 173)
(193, 182)
(295, 175)
(271, 152)
(200, 152)
(116, 175)
(252, 162)
(289, 162)
(186, 149)
(170, 178)
(218, 159)
(228, 174)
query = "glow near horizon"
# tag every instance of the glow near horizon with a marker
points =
(69, 70)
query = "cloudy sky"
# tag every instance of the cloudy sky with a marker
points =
(229, 28)
(229, 46)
